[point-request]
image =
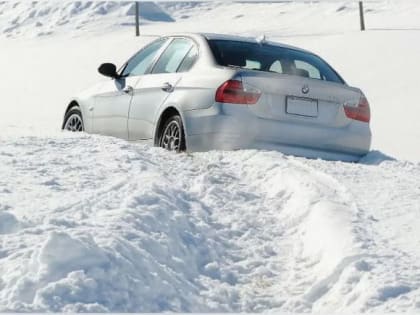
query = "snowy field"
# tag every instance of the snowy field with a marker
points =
(91, 223)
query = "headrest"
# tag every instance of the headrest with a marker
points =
(302, 72)
(232, 58)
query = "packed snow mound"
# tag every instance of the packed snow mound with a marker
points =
(96, 224)
(49, 17)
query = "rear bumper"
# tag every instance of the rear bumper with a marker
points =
(230, 127)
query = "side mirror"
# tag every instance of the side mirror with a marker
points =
(108, 70)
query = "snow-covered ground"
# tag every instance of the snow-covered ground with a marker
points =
(91, 223)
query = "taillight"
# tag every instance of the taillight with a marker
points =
(361, 112)
(233, 91)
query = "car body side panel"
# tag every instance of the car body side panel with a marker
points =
(193, 92)
(196, 90)
(87, 115)
(86, 101)
(148, 96)
(111, 108)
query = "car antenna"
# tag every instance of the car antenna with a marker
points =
(262, 39)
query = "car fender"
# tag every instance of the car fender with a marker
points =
(86, 102)
(84, 105)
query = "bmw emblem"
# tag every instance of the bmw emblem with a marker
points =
(305, 89)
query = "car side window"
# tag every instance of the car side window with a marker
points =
(172, 57)
(141, 62)
(189, 60)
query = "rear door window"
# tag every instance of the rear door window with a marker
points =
(189, 60)
(171, 59)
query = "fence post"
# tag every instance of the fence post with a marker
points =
(362, 17)
(137, 18)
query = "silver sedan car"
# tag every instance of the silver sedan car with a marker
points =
(199, 92)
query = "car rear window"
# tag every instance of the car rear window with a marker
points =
(270, 58)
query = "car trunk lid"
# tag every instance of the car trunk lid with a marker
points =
(300, 99)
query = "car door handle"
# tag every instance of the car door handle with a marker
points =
(128, 89)
(167, 87)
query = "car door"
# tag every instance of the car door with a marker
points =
(153, 89)
(110, 112)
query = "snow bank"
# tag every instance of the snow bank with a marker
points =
(32, 19)
(103, 225)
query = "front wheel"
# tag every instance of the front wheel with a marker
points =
(73, 120)
(172, 136)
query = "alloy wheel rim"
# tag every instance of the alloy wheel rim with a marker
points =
(74, 123)
(171, 138)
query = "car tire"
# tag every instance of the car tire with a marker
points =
(73, 120)
(172, 137)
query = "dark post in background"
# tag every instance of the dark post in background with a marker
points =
(137, 18)
(362, 18)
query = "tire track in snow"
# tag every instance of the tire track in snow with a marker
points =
(389, 279)
(326, 293)
(330, 217)
(266, 286)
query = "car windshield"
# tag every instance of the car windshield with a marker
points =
(270, 58)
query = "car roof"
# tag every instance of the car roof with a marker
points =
(215, 36)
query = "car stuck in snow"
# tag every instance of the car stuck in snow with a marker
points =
(200, 92)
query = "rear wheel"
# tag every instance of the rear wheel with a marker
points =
(172, 136)
(73, 120)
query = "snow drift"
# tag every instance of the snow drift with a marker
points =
(92, 223)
